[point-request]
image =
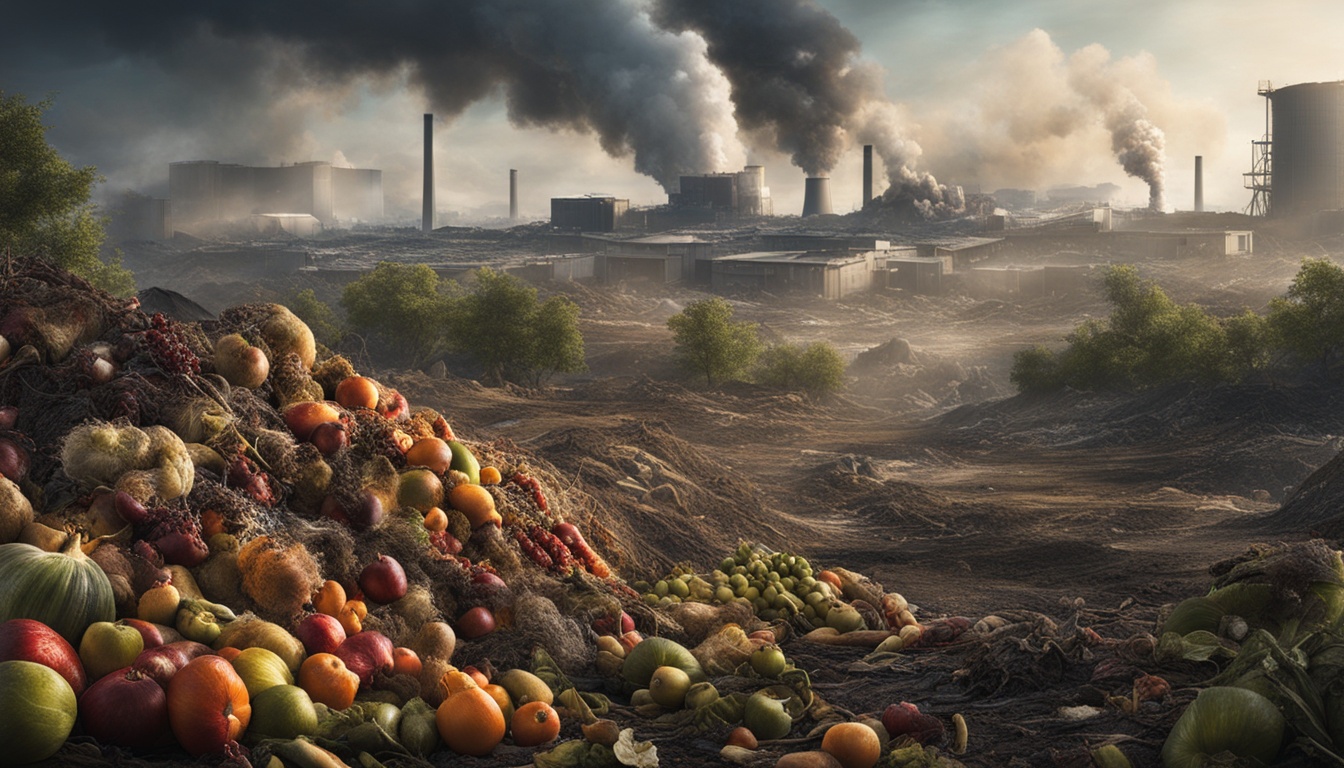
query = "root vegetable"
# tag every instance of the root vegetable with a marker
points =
(15, 511)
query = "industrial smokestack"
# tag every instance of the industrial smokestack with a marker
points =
(1199, 184)
(513, 194)
(427, 214)
(816, 195)
(867, 174)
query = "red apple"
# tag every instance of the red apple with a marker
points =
(320, 633)
(477, 622)
(29, 640)
(126, 708)
(303, 417)
(14, 461)
(366, 653)
(148, 631)
(383, 580)
(367, 511)
(329, 437)
(613, 625)
(162, 663)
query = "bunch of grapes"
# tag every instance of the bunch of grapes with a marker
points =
(168, 348)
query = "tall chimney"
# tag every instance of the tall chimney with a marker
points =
(1199, 184)
(513, 194)
(427, 214)
(867, 174)
(816, 195)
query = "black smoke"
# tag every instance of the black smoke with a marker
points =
(597, 66)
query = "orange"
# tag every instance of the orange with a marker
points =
(330, 598)
(469, 720)
(489, 476)
(349, 618)
(855, 745)
(327, 680)
(357, 392)
(436, 520)
(535, 723)
(406, 662)
(430, 452)
(476, 503)
(501, 697)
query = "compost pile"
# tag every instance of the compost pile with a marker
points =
(221, 544)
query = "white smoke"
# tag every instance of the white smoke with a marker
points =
(1138, 144)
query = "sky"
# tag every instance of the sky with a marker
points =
(615, 96)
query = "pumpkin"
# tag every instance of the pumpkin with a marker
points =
(535, 723)
(208, 706)
(469, 719)
(64, 590)
(37, 707)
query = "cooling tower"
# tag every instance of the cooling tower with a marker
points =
(427, 215)
(867, 174)
(1308, 149)
(513, 194)
(816, 195)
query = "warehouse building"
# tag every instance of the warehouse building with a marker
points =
(205, 192)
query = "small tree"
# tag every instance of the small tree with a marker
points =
(502, 326)
(817, 369)
(709, 342)
(317, 314)
(404, 305)
(1309, 320)
(44, 201)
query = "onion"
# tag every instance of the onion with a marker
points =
(9, 416)
(162, 662)
(14, 460)
(477, 622)
(126, 708)
(366, 653)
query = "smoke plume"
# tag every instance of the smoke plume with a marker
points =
(597, 66)
(800, 84)
(1138, 144)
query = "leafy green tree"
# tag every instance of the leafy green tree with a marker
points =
(502, 326)
(1147, 340)
(817, 369)
(317, 314)
(44, 201)
(1309, 321)
(404, 305)
(1248, 343)
(709, 342)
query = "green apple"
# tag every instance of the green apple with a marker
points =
(282, 712)
(768, 661)
(261, 669)
(107, 647)
(701, 695)
(668, 687)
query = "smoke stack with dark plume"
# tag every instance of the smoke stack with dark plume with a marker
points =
(427, 210)
(1138, 144)
(867, 174)
(798, 78)
(816, 196)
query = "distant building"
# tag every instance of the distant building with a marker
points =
(730, 194)
(588, 213)
(209, 192)
(828, 275)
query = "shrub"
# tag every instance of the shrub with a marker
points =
(816, 369)
(501, 325)
(709, 343)
(404, 306)
(1308, 322)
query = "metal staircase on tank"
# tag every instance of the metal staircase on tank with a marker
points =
(1260, 178)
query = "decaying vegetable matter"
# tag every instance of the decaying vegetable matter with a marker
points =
(304, 567)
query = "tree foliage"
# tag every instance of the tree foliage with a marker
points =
(501, 324)
(817, 368)
(317, 314)
(1308, 322)
(44, 200)
(1147, 340)
(403, 306)
(710, 343)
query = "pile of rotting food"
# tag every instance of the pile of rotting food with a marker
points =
(220, 545)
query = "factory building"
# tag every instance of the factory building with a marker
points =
(829, 275)
(206, 192)
(1298, 168)
(588, 213)
(729, 195)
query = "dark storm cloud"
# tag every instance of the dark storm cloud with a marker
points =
(589, 65)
